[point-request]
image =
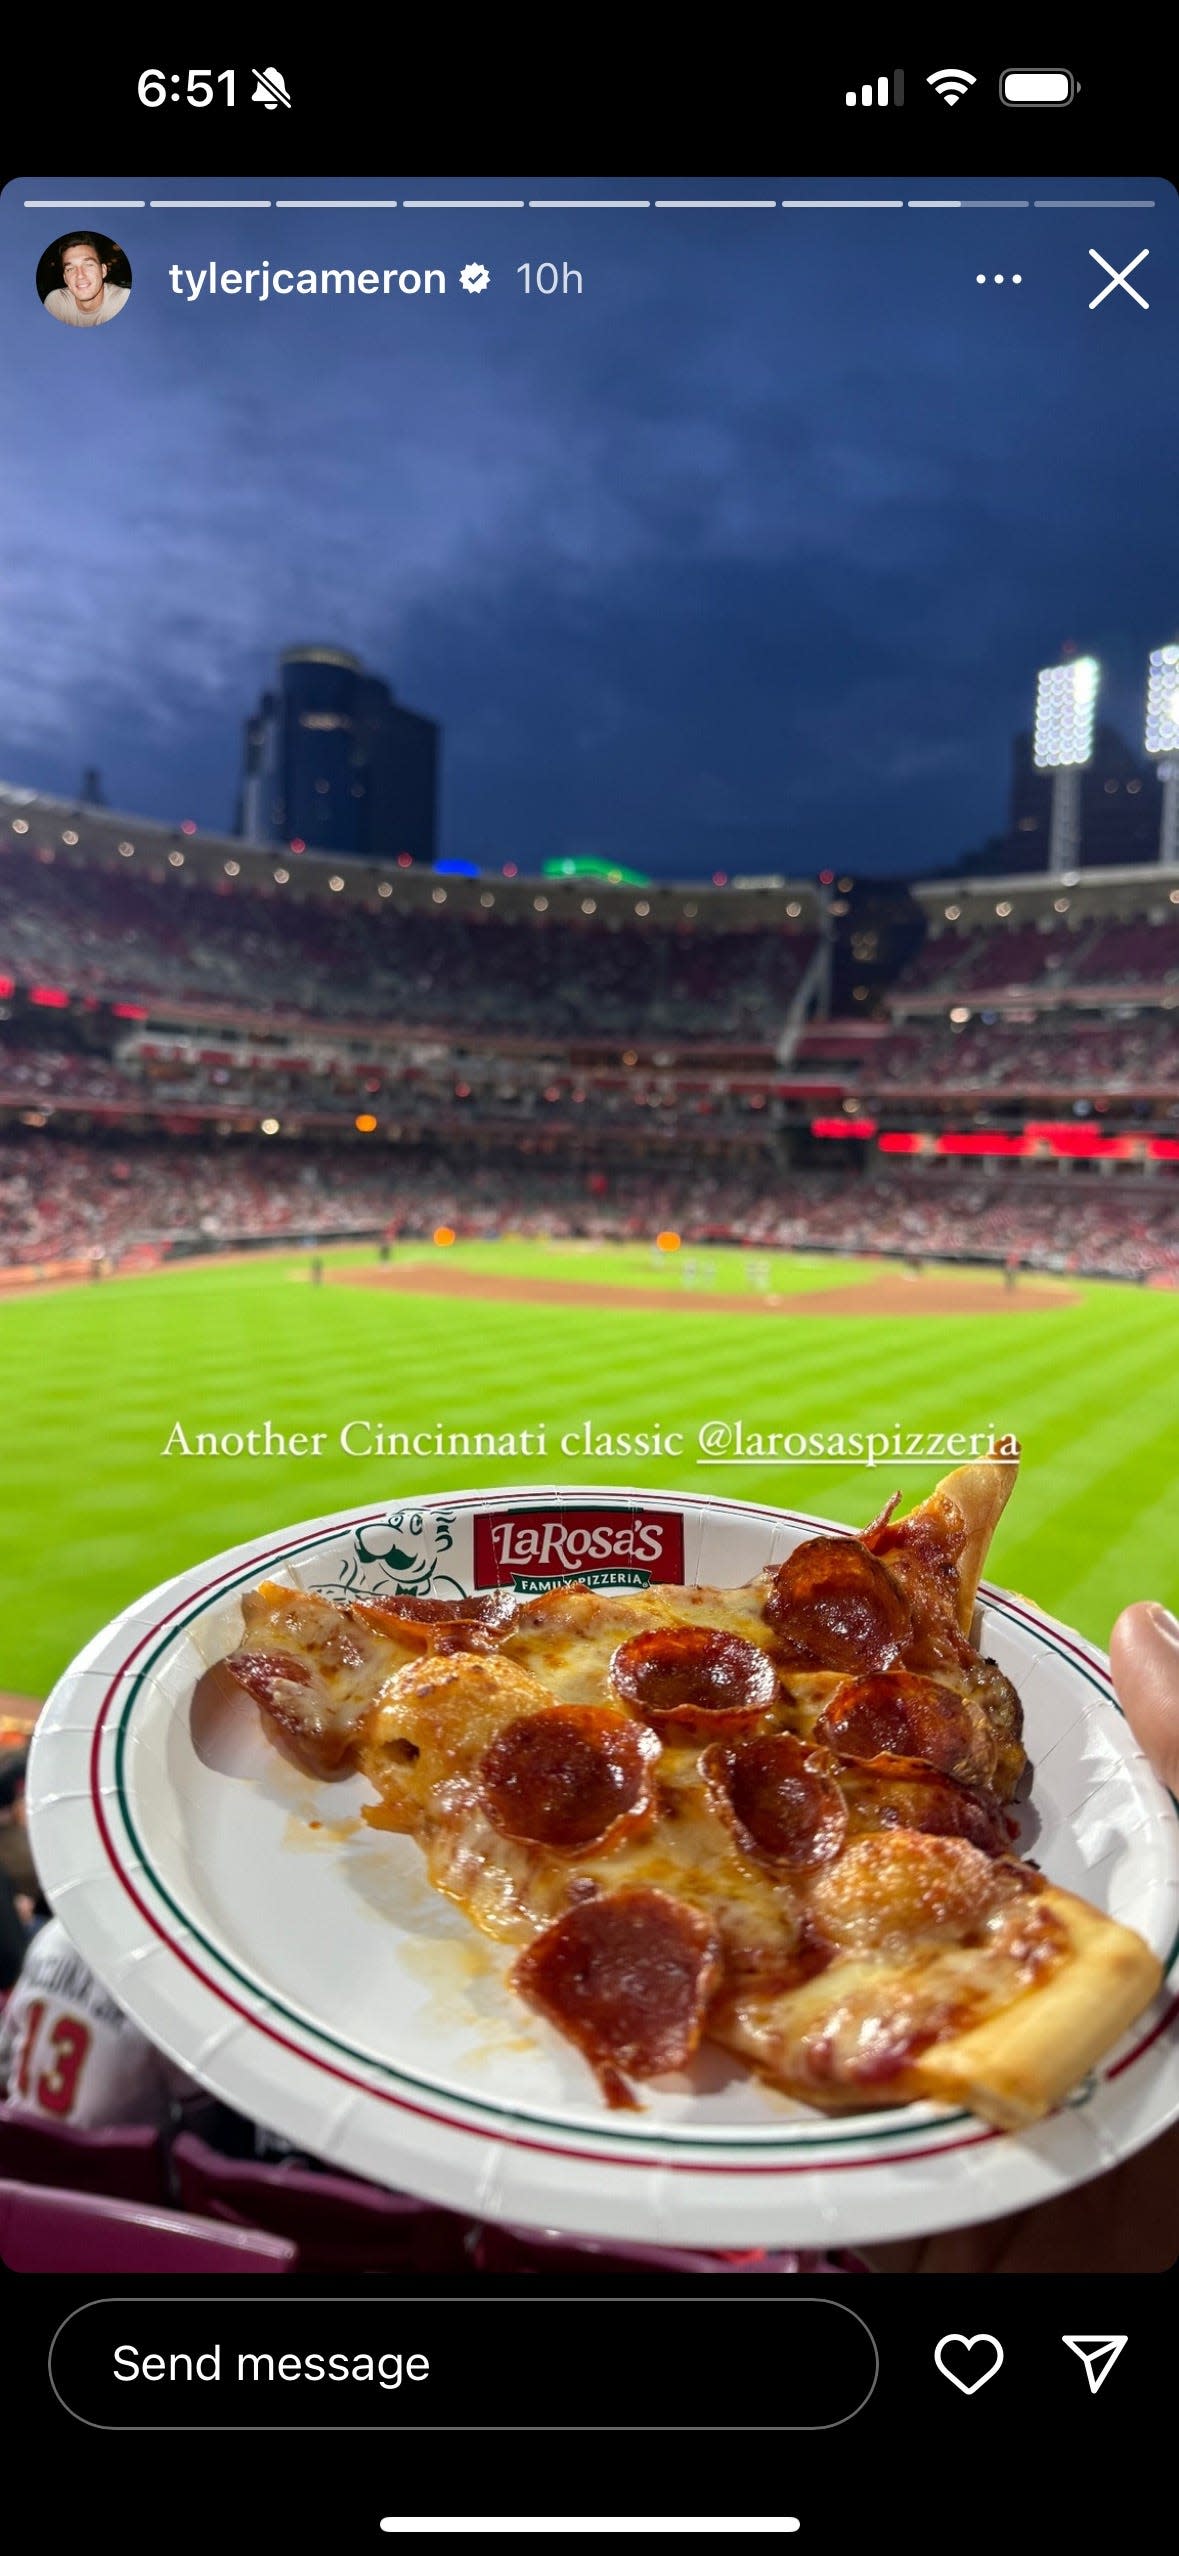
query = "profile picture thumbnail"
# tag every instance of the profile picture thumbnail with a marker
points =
(84, 279)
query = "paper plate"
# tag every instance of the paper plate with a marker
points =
(298, 1964)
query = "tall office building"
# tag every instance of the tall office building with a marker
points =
(333, 761)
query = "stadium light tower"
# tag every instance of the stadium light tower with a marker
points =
(1066, 700)
(1162, 739)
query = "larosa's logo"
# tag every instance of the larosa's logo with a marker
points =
(533, 1549)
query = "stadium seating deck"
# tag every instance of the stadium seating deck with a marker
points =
(568, 1073)
(108, 934)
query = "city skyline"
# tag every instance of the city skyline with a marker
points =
(746, 559)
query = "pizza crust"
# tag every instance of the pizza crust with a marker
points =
(980, 1493)
(1020, 2063)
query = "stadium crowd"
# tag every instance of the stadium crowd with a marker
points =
(1054, 1051)
(63, 1201)
(989, 957)
(410, 1087)
(1069, 1224)
(138, 939)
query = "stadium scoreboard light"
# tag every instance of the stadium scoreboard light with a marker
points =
(1162, 739)
(1162, 702)
(1066, 703)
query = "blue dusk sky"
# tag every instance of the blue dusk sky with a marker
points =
(744, 557)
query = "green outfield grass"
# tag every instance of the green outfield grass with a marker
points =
(621, 1264)
(94, 1378)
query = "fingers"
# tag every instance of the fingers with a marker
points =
(1144, 1657)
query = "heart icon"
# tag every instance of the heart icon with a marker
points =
(970, 2343)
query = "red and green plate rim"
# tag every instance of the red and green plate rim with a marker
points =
(675, 2154)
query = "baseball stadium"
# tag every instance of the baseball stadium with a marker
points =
(716, 1046)
(325, 1181)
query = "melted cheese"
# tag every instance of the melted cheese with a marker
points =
(908, 1935)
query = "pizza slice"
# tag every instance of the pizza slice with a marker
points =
(776, 1817)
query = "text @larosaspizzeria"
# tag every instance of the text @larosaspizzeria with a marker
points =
(732, 1440)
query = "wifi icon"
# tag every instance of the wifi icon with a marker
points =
(951, 85)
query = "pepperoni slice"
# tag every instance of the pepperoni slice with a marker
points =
(262, 1673)
(899, 1714)
(937, 1640)
(628, 1979)
(834, 1606)
(689, 1679)
(901, 1792)
(295, 1720)
(449, 1624)
(570, 1777)
(780, 1802)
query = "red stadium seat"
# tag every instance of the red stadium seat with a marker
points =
(125, 2164)
(339, 2223)
(44, 2231)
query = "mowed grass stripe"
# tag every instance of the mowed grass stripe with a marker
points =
(1139, 1561)
(1100, 1486)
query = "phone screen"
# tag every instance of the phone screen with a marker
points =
(589, 1234)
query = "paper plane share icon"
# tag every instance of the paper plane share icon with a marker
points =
(1098, 2352)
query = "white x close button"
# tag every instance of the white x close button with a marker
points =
(1118, 277)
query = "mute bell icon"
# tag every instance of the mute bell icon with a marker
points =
(270, 89)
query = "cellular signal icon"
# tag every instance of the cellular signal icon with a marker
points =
(951, 85)
(876, 92)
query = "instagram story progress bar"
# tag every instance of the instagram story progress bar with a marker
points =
(878, 92)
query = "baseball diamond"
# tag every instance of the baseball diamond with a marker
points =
(498, 1338)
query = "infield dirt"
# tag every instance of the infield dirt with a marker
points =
(894, 1292)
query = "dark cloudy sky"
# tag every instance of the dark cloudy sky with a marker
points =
(745, 558)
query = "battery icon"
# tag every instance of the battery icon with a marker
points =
(1037, 88)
